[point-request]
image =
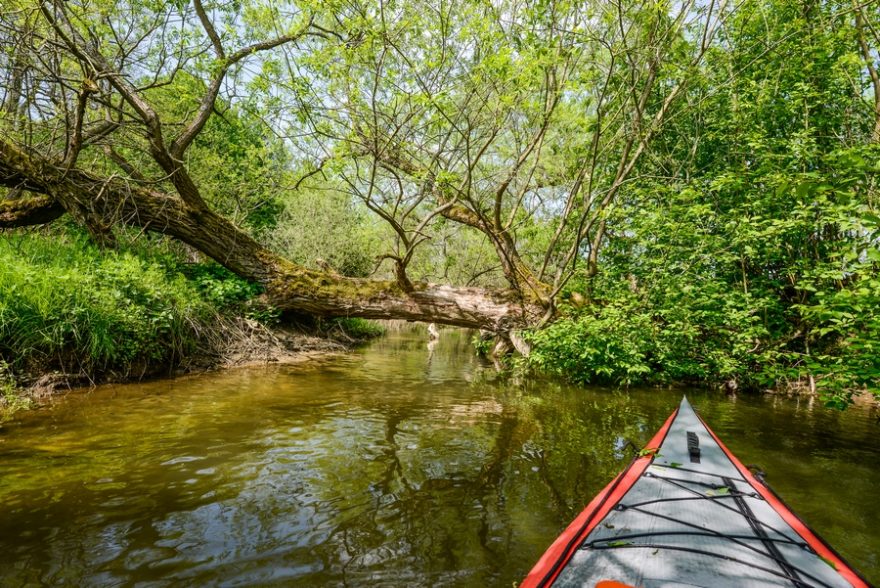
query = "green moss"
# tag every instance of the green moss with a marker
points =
(296, 281)
(23, 205)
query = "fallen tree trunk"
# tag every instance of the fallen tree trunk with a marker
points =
(105, 202)
(25, 212)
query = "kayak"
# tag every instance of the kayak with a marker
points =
(687, 512)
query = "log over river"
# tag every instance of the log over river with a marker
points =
(394, 465)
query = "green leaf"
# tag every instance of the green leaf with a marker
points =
(722, 491)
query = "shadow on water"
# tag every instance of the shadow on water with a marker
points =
(396, 465)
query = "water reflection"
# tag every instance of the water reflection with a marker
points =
(396, 465)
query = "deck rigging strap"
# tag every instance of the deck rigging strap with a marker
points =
(758, 527)
(596, 543)
(779, 560)
(797, 583)
(675, 482)
(680, 468)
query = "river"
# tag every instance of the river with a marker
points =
(393, 465)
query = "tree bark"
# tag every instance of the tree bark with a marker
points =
(110, 201)
(27, 212)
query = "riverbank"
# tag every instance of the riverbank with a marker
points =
(73, 315)
(245, 343)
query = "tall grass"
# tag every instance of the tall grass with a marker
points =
(68, 305)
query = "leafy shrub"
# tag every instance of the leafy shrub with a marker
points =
(219, 286)
(674, 333)
(338, 233)
(609, 346)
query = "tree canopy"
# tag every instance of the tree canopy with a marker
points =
(703, 171)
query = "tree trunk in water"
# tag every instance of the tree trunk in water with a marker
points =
(105, 202)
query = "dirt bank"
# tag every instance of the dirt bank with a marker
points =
(238, 343)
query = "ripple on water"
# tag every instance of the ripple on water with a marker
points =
(390, 465)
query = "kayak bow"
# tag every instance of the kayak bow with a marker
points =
(686, 512)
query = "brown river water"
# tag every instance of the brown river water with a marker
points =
(389, 466)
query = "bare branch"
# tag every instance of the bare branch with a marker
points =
(206, 107)
(76, 141)
(872, 70)
(209, 29)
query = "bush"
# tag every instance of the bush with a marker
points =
(677, 333)
(611, 346)
(338, 233)
(708, 333)
(219, 286)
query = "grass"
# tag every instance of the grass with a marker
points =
(356, 328)
(142, 309)
(10, 399)
(65, 304)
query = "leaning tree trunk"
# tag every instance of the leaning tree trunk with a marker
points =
(104, 202)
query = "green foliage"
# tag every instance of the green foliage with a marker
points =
(327, 227)
(68, 305)
(219, 286)
(730, 189)
(228, 293)
(481, 345)
(239, 168)
(10, 400)
(769, 293)
(843, 332)
(761, 263)
(357, 328)
(611, 346)
(681, 334)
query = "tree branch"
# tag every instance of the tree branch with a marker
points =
(206, 107)
(25, 212)
(872, 72)
(209, 29)
(111, 201)
(75, 142)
